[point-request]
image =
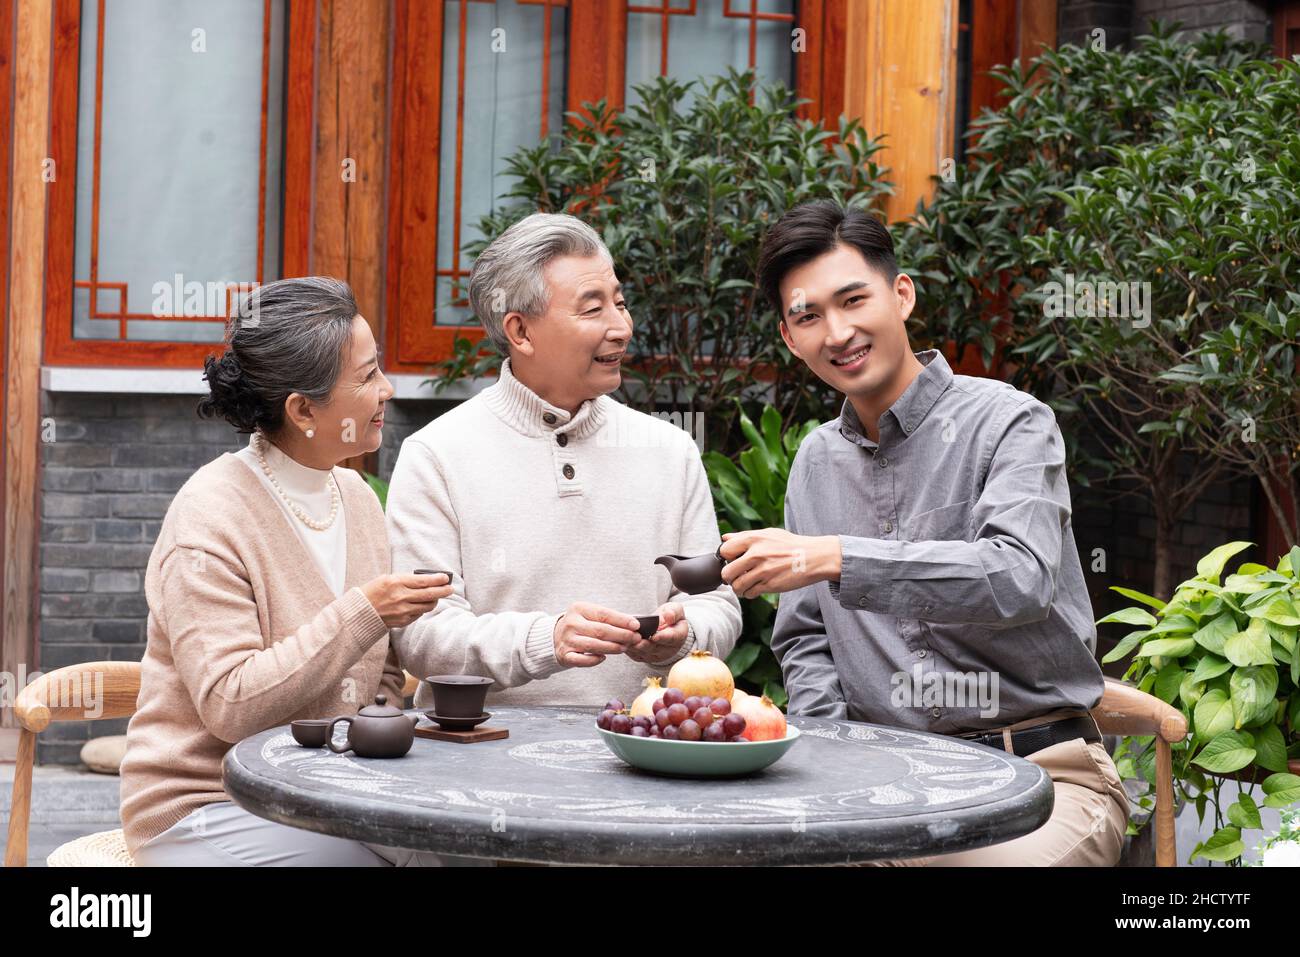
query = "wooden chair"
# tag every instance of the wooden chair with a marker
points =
(64, 695)
(1124, 710)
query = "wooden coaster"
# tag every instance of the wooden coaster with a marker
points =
(482, 733)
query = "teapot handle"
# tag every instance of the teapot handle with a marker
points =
(329, 736)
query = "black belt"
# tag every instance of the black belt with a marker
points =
(1028, 740)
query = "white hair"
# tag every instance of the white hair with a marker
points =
(508, 274)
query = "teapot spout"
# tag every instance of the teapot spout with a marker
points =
(668, 561)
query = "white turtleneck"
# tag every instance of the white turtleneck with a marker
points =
(533, 509)
(310, 489)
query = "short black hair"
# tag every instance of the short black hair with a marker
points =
(814, 229)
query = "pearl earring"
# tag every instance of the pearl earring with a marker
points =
(311, 433)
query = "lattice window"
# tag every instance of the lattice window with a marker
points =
(179, 111)
(686, 39)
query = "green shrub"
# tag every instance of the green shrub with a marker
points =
(1226, 655)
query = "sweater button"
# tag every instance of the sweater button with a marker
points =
(562, 439)
(548, 418)
(568, 471)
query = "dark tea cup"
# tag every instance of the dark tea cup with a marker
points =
(311, 732)
(648, 625)
(459, 696)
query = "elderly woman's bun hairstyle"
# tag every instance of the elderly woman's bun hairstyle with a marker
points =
(289, 336)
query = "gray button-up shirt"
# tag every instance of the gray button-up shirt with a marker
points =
(961, 603)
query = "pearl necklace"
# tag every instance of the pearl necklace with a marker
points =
(294, 507)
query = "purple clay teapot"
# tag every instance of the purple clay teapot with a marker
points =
(694, 575)
(377, 731)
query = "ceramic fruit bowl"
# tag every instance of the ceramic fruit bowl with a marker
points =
(698, 759)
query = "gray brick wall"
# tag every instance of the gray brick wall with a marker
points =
(1122, 19)
(106, 481)
(1240, 19)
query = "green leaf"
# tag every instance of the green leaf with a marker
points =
(1282, 612)
(1210, 666)
(1130, 616)
(1155, 603)
(1168, 648)
(1211, 566)
(1189, 689)
(1214, 636)
(1250, 647)
(1282, 790)
(1252, 690)
(1213, 715)
(1126, 644)
(1227, 752)
(1168, 681)
(742, 657)
(1174, 623)
(1270, 748)
(1244, 812)
(1223, 845)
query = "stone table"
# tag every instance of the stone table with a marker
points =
(552, 792)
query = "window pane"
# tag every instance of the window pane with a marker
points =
(704, 37)
(507, 65)
(181, 164)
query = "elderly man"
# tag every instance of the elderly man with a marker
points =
(549, 501)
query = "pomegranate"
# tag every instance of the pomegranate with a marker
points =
(644, 701)
(763, 720)
(700, 674)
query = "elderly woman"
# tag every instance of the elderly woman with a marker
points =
(549, 500)
(268, 588)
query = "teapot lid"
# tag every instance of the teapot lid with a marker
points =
(380, 709)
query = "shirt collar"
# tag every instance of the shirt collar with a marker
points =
(910, 408)
(527, 412)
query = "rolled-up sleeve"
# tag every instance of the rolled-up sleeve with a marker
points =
(799, 638)
(1005, 574)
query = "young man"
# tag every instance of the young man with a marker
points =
(927, 547)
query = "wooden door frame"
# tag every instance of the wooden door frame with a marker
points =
(31, 28)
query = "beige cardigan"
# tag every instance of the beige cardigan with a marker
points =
(244, 634)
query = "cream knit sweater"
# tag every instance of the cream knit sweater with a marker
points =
(244, 633)
(532, 510)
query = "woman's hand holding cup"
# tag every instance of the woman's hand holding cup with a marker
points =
(401, 599)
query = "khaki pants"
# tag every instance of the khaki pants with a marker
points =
(1088, 821)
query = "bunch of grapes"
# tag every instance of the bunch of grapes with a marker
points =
(676, 718)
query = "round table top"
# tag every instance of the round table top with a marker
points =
(552, 792)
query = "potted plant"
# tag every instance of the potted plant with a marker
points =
(1226, 654)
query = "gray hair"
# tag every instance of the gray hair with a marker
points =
(508, 274)
(291, 335)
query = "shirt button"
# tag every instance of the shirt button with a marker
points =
(548, 418)
(563, 439)
(883, 461)
(568, 471)
(935, 712)
(921, 653)
(889, 526)
(862, 603)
